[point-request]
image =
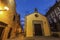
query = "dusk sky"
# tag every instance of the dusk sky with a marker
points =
(25, 7)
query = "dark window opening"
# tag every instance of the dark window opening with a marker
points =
(9, 34)
(14, 18)
(54, 27)
(36, 15)
(1, 31)
(2, 27)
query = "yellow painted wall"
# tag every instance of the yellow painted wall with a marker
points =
(7, 16)
(17, 24)
(29, 29)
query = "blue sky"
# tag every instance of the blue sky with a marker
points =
(27, 6)
(24, 7)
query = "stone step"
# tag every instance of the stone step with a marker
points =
(42, 38)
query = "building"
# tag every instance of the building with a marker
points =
(9, 20)
(36, 25)
(18, 26)
(57, 0)
(53, 16)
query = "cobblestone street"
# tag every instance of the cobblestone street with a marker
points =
(21, 37)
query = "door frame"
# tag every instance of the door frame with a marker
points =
(37, 22)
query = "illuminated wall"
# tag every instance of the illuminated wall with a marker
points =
(29, 28)
(7, 13)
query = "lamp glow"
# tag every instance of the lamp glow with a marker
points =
(6, 8)
(2, 9)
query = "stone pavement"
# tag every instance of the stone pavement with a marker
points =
(42, 38)
(21, 37)
(36, 38)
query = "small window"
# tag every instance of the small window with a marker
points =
(36, 15)
(54, 28)
(14, 18)
(9, 34)
(1, 32)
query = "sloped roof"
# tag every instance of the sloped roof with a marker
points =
(36, 11)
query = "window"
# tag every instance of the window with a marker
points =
(57, 11)
(55, 20)
(1, 32)
(58, 8)
(14, 18)
(49, 19)
(54, 27)
(36, 15)
(2, 27)
(51, 15)
(9, 34)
